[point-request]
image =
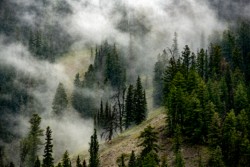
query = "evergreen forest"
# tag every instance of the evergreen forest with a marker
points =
(121, 83)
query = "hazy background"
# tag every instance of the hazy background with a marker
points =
(145, 25)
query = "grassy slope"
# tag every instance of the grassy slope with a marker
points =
(127, 141)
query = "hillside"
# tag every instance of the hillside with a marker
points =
(127, 141)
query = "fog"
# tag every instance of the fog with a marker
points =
(70, 131)
(147, 25)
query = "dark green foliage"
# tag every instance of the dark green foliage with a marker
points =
(78, 162)
(229, 139)
(132, 160)
(129, 107)
(66, 161)
(148, 140)
(150, 160)
(186, 61)
(48, 150)
(216, 158)
(176, 103)
(93, 151)
(240, 98)
(37, 163)
(114, 71)
(140, 110)
(33, 139)
(214, 131)
(84, 164)
(201, 63)
(60, 100)
(215, 60)
(194, 119)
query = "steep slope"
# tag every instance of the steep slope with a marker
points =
(127, 141)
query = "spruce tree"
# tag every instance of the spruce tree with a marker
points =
(34, 140)
(201, 63)
(140, 104)
(216, 158)
(66, 161)
(93, 151)
(214, 131)
(84, 164)
(60, 101)
(186, 58)
(150, 160)
(78, 162)
(230, 140)
(48, 159)
(129, 107)
(148, 140)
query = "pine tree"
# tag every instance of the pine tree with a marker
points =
(34, 141)
(132, 160)
(66, 161)
(129, 107)
(150, 160)
(60, 101)
(78, 162)
(230, 139)
(169, 75)
(186, 61)
(176, 103)
(37, 163)
(84, 164)
(93, 151)
(148, 140)
(48, 159)
(240, 98)
(201, 63)
(214, 131)
(216, 158)
(140, 104)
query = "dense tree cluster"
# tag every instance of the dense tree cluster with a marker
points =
(122, 112)
(106, 71)
(207, 95)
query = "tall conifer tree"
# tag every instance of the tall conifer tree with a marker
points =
(93, 151)
(48, 159)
